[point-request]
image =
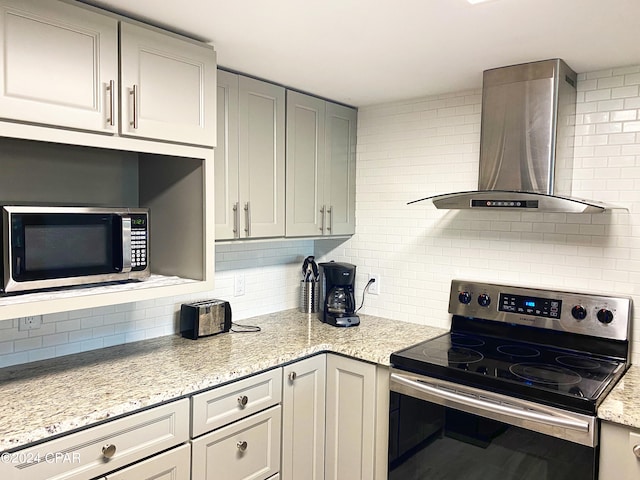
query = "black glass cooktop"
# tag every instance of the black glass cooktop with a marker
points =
(551, 375)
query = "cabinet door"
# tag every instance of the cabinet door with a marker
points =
(248, 449)
(261, 152)
(303, 419)
(618, 460)
(172, 465)
(59, 65)
(351, 419)
(226, 158)
(305, 165)
(168, 87)
(340, 176)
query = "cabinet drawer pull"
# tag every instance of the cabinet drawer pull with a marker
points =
(236, 220)
(109, 450)
(292, 376)
(242, 446)
(322, 219)
(330, 214)
(243, 400)
(636, 451)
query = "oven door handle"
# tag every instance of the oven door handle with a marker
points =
(483, 405)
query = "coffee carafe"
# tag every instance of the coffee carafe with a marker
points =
(337, 300)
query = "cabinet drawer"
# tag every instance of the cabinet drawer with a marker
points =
(80, 455)
(174, 465)
(246, 450)
(221, 406)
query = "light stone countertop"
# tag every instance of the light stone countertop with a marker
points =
(622, 405)
(51, 397)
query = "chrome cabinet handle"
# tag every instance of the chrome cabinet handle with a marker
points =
(292, 376)
(322, 210)
(330, 214)
(112, 103)
(236, 220)
(242, 446)
(134, 93)
(247, 217)
(243, 400)
(636, 451)
(108, 450)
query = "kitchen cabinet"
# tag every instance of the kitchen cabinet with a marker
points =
(237, 429)
(303, 419)
(60, 65)
(168, 87)
(351, 419)
(250, 160)
(248, 448)
(107, 447)
(174, 464)
(321, 142)
(619, 452)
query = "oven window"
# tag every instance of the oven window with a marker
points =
(428, 441)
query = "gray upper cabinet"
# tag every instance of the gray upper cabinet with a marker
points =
(250, 158)
(59, 65)
(166, 91)
(321, 142)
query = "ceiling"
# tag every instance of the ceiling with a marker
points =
(363, 52)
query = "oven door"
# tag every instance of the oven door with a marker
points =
(447, 431)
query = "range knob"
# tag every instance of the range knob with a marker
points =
(484, 300)
(464, 297)
(605, 316)
(579, 312)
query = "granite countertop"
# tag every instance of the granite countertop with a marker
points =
(51, 397)
(622, 405)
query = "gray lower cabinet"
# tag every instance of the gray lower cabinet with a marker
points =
(108, 447)
(321, 152)
(250, 158)
(303, 419)
(236, 429)
(619, 452)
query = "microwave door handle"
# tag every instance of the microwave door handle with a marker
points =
(126, 244)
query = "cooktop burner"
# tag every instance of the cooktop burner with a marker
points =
(562, 349)
(537, 372)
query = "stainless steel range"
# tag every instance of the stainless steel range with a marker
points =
(512, 391)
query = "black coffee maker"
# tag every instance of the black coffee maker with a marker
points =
(337, 300)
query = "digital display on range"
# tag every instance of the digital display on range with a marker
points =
(537, 307)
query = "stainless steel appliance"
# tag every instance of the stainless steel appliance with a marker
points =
(204, 318)
(337, 301)
(512, 391)
(526, 145)
(51, 247)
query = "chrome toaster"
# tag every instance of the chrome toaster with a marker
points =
(204, 318)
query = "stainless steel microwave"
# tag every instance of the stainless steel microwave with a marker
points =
(52, 247)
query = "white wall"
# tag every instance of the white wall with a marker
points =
(409, 150)
(421, 147)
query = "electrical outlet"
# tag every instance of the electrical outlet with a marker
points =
(374, 288)
(30, 323)
(238, 285)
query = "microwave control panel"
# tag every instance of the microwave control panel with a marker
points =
(139, 239)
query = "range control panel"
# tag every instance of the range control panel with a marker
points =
(584, 313)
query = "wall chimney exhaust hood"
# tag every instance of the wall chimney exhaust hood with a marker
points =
(526, 142)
